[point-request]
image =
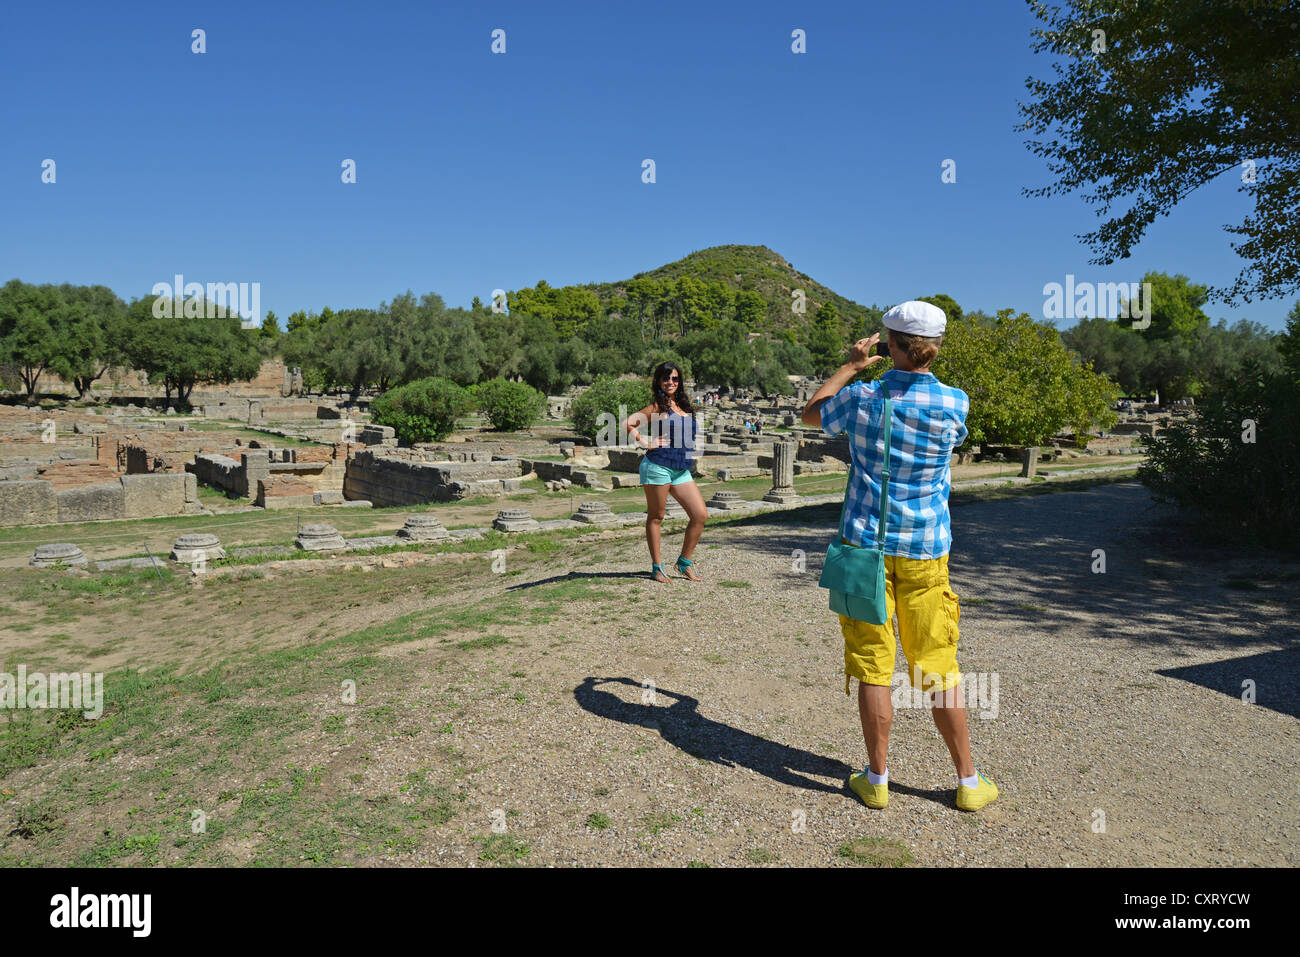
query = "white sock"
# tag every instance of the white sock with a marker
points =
(873, 778)
(971, 782)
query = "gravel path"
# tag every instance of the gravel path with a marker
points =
(1120, 735)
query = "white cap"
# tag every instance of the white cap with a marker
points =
(916, 318)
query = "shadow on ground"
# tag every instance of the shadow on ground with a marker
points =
(576, 576)
(1275, 677)
(682, 726)
(1106, 554)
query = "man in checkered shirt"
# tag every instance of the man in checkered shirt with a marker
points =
(929, 422)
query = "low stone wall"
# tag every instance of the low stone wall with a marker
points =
(388, 481)
(285, 492)
(624, 460)
(220, 472)
(321, 468)
(38, 502)
(814, 450)
(552, 471)
(156, 496)
(76, 474)
(30, 502)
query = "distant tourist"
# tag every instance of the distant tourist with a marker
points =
(927, 424)
(666, 466)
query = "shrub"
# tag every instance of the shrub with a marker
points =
(617, 397)
(1235, 464)
(1024, 385)
(508, 406)
(422, 411)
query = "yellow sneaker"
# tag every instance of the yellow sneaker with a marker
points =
(972, 799)
(873, 795)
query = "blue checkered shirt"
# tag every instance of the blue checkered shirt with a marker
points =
(929, 422)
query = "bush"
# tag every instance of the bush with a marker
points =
(617, 397)
(422, 411)
(1242, 480)
(1024, 385)
(508, 406)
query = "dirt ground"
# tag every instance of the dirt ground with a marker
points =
(542, 702)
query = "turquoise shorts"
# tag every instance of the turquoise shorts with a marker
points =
(652, 474)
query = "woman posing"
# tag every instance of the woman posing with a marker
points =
(666, 465)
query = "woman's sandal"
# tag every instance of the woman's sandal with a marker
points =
(684, 569)
(658, 569)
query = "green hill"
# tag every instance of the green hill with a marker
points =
(755, 269)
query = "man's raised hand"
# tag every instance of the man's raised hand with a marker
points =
(860, 355)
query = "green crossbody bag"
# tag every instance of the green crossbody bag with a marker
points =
(856, 576)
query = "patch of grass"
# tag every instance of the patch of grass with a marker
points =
(111, 850)
(731, 584)
(760, 855)
(244, 722)
(598, 822)
(659, 821)
(875, 852)
(35, 819)
(135, 583)
(504, 849)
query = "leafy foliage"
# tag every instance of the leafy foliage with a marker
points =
(608, 395)
(96, 335)
(1179, 354)
(1151, 101)
(34, 330)
(720, 356)
(827, 342)
(946, 303)
(192, 348)
(1235, 464)
(422, 411)
(1024, 386)
(508, 406)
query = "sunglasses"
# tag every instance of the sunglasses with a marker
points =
(672, 378)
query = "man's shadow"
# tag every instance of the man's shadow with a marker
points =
(681, 725)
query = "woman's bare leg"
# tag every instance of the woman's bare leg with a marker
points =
(688, 494)
(656, 497)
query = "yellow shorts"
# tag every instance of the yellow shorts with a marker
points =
(917, 589)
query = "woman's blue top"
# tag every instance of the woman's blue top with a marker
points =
(680, 430)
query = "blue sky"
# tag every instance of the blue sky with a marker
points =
(477, 171)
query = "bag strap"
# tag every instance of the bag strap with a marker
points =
(884, 478)
(884, 474)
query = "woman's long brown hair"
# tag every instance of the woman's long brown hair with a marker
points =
(661, 397)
